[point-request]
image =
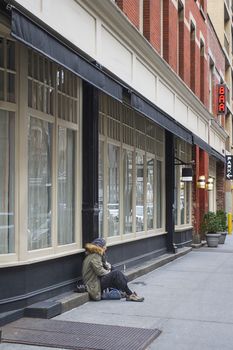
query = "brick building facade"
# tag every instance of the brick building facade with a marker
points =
(182, 33)
(103, 111)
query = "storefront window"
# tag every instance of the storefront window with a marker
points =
(39, 183)
(7, 70)
(40, 83)
(128, 190)
(7, 180)
(101, 186)
(150, 193)
(182, 190)
(139, 192)
(134, 183)
(53, 96)
(188, 201)
(113, 190)
(66, 185)
(159, 194)
(182, 202)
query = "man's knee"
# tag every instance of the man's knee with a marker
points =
(118, 275)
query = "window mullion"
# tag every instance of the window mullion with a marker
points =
(145, 192)
(23, 154)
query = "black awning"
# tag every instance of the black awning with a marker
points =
(202, 144)
(161, 118)
(218, 155)
(206, 147)
(34, 36)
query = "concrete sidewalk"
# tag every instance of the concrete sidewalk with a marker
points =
(190, 299)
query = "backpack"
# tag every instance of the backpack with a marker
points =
(111, 294)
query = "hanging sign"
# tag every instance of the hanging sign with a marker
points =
(187, 174)
(229, 167)
(221, 99)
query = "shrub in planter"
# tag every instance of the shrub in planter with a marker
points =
(210, 227)
(222, 218)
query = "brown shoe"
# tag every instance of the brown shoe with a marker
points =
(134, 297)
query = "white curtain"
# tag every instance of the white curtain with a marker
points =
(66, 185)
(39, 183)
(7, 177)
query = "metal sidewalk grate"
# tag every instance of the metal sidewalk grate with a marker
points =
(77, 335)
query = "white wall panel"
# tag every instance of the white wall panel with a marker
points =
(202, 131)
(34, 6)
(144, 80)
(69, 19)
(193, 121)
(166, 99)
(212, 136)
(181, 112)
(116, 56)
(216, 143)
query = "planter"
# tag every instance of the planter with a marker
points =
(212, 239)
(222, 237)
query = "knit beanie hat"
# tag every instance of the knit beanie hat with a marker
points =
(100, 242)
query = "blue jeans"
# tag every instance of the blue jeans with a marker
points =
(115, 279)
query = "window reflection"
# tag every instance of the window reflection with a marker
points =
(139, 193)
(150, 193)
(128, 190)
(182, 193)
(159, 194)
(66, 185)
(101, 186)
(113, 190)
(39, 183)
(7, 182)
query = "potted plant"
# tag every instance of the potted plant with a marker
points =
(222, 218)
(210, 227)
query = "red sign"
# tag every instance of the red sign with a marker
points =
(221, 99)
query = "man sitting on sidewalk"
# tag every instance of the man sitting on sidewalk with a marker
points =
(98, 277)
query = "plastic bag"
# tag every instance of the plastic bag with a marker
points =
(111, 294)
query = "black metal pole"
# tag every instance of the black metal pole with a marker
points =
(90, 209)
(170, 182)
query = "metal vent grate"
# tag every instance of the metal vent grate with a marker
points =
(77, 335)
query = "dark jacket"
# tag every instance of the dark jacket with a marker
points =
(93, 269)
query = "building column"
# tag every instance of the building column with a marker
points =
(201, 195)
(90, 151)
(170, 184)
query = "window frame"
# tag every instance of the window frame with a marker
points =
(22, 255)
(56, 249)
(185, 156)
(11, 258)
(105, 113)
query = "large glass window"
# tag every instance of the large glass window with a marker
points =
(7, 70)
(41, 83)
(150, 193)
(113, 190)
(39, 183)
(7, 145)
(101, 186)
(182, 189)
(7, 182)
(159, 208)
(52, 153)
(127, 191)
(131, 179)
(66, 185)
(139, 192)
